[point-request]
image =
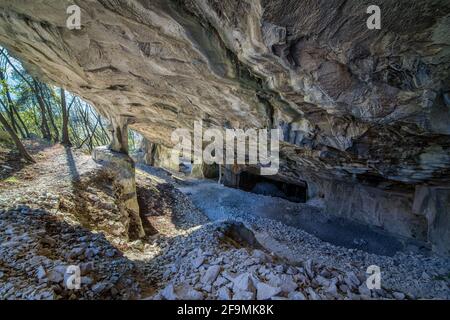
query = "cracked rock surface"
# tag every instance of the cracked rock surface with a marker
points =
(351, 101)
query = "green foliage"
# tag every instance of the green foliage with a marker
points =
(38, 110)
(5, 138)
(11, 180)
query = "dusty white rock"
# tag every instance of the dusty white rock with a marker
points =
(243, 295)
(86, 280)
(265, 291)
(322, 281)
(363, 290)
(243, 282)
(284, 281)
(260, 256)
(224, 294)
(332, 290)
(296, 295)
(351, 280)
(40, 273)
(197, 262)
(168, 292)
(312, 294)
(211, 274)
(100, 287)
(398, 295)
(309, 268)
(220, 281)
(76, 252)
(186, 292)
(55, 276)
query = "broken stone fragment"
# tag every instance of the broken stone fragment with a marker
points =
(182, 292)
(398, 295)
(243, 282)
(40, 274)
(168, 292)
(265, 291)
(296, 295)
(197, 262)
(55, 276)
(243, 295)
(224, 294)
(100, 287)
(285, 282)
(211, 274)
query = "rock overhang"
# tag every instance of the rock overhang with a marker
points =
(354, 104)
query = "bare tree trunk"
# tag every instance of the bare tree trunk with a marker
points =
(44, 125)
(20, 147)
(65, 120)
(48, 106)
(8, 107)
(22, 124)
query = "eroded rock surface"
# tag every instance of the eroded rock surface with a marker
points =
(121, 168)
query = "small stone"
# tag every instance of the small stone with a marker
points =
(332, 290)
(86, 280)
(110, 253)
(168, 293)
(220, 281)
(211, 274)
(351, 280)
(224, 294)
(186, 292)
(279, 268)
(243, 295)
(86, 267)
(309, 268)
(197, 262)
(296, 295)
(285, 282)
(91, 252)
(55, 276)
(99, 287)
(75, 252)
(243, 282)
(363, 290)
(312, 294)
(40, 273)
(398, 295)
(265, 291)
(260, 256)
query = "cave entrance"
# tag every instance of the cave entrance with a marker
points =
(271, 187)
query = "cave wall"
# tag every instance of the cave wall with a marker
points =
(434, 204)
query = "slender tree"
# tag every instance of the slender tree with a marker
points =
(44, 125)
(20, 147)
(65, 140)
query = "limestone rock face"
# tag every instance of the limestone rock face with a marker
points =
(351, 101)
(355, 105)
(121, 168)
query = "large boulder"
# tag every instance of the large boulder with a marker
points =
(121, 169)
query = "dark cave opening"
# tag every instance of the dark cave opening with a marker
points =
(270, 187)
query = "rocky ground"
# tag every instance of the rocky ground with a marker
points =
(61, 212)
